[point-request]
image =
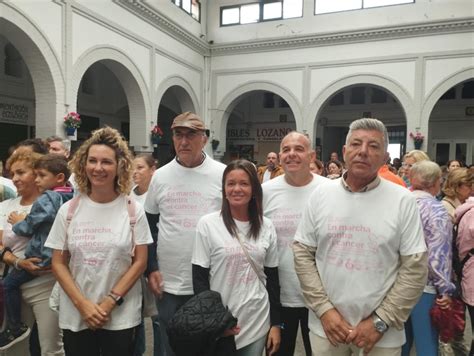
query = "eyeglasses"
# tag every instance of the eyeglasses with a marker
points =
(407, 165)
(189, 135)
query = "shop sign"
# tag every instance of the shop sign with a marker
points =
(14, 113)
(259, 133)
(272, 134)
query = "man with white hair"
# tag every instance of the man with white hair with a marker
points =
(360, 253)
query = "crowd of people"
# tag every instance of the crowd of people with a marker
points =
(354, 253)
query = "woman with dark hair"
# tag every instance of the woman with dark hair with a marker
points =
(144, 165)
(235, 254)
(453, 164)
(99, 240)
(334, 169)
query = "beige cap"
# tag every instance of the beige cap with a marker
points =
(188, 120)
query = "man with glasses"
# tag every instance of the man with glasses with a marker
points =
(180, 193)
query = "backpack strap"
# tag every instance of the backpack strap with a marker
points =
(131, 209)
(70, 213)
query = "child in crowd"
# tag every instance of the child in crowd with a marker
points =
(52, 174)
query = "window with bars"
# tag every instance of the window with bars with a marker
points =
(260, 11)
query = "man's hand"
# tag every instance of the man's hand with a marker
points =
(273, 340)
(155, 283)
(335, 327)
(364, 335)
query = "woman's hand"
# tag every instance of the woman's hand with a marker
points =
(107, 304)
(444, 301)
(94, 316)
(16, 217)
(30, 265)
(273, 340)
(232, 331)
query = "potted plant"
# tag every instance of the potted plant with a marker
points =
(72, 121)
(417, 139)
(156, 134)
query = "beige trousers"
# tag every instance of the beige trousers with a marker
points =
(35, 306)
(322, 347)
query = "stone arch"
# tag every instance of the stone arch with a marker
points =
(187, 96)
(44, 67)
(133, 84)
(220, 115)
(400, 93)
(444, 85)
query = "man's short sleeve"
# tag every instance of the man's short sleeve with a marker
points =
(151, 202)
(306, 231)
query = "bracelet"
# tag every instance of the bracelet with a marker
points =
(5, 250)
(15, 264)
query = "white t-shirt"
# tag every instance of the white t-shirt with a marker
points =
(100, 243)
(232, 275)
(16, 242)
(359, 239)
(139, 198)
(182, 196)
(266, 176)
(284, 204)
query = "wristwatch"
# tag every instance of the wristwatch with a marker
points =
(379, 325)
(118, 298)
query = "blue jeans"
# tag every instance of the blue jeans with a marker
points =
(253, 349)
(419, 328)
(11, 287)
(167, 307)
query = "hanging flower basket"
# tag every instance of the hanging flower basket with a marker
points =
(156, 135)
(418, 139)
(72, 121)
(70, 131)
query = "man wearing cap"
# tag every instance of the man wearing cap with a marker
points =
(180, 193)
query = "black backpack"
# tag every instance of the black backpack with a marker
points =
(458, 264)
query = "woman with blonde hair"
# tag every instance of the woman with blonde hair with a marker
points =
(457, 189)
(99, 240)
(409, 160)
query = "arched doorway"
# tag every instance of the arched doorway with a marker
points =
(353, 102)
(29, 102)
(175, 100)
(257, 122)
(101, 100)
(451, 125)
